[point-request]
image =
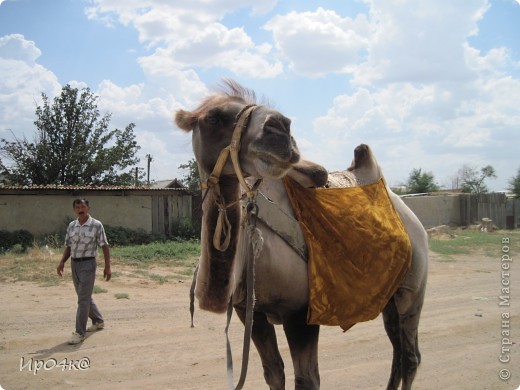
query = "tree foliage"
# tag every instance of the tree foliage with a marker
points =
(192, 178)
(472, 180)
(421, 182)
(514, 184)
(72, 146)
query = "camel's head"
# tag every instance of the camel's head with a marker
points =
(267, 147)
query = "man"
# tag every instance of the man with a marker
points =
(84, 236)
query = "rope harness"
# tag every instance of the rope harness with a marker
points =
(252, 240)
(250, 249)
(222, 234)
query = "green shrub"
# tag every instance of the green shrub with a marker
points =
(182, 230)
(121, 236)
(186, 229)
(9, 239)
(54, 240)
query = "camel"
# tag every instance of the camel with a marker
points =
(266, 149)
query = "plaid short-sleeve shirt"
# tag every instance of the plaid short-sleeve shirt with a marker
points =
(84, 240)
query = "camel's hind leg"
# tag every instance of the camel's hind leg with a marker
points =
(410, 355)
(401, 317)
(264, 338)
(303, 343)
(393, 330)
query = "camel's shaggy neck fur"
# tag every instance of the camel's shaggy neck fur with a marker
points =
(214, 280)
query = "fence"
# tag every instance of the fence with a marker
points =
(465, 209)
(168, 210)
(474, 207)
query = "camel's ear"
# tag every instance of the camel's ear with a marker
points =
(309, 174)
(185, 120)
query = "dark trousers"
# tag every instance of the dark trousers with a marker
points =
(83, 276)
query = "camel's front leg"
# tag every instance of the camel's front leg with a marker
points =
(303, 343)
(264, 338)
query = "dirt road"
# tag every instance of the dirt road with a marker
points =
(148, 342)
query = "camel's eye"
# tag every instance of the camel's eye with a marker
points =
(213, 118)
(218, 118)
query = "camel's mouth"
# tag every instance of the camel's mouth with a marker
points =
(277, 159)
(265, 167)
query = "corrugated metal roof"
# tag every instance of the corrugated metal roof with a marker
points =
(85, 188)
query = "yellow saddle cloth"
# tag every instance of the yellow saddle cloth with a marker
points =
(359, 251)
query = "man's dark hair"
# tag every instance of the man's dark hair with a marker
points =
(79, 201)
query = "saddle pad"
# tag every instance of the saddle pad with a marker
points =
(359, 251)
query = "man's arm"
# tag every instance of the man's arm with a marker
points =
(107, 273)
(64, 258)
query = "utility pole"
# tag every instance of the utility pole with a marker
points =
(149, 159)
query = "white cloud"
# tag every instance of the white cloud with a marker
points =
(419, 41)
(433, 127)
(186, 12)
(161, 152)
(423, 97)
(316, 43)
(189, 34)
(16, 47)
(214, 47)
(21, 84)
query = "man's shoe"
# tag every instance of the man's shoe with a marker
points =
(76, 338)
(95, 327)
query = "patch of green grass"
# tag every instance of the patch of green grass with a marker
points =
(99, 290)
(32, 266)
(169, 253)
(122, 296)
(48, 280)
(38, 264)
(115, 275)
(159, 278)
(138, 273)
(187, 272)
(450, 247)
(467, 242)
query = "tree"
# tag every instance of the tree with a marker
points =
(72, 145)
(3, 172)
(514, 184)
(472, 180)
(192, 178)
(419, 182)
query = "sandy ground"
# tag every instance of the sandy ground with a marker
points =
(148, 342)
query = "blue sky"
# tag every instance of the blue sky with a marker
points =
(428, 84)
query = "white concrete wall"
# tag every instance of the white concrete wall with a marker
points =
(435, 210)
(45, 214)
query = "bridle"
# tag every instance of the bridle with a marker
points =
(222, 235)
